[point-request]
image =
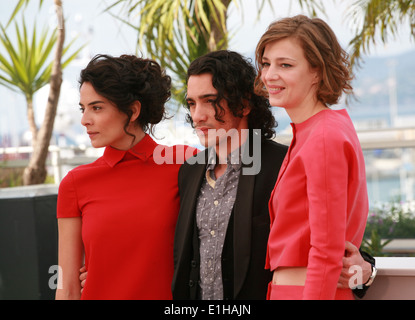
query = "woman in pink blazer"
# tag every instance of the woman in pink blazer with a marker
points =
(320, 199)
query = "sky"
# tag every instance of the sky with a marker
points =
(105, 34)
(111, 36)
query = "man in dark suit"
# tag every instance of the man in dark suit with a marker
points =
(223, 224)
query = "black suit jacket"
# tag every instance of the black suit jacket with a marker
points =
(244, 252)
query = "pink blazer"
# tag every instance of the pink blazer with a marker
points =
(319, 201)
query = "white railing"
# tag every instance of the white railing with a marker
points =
(59, 158)
(395, 279)
(387, 138)
(72, 156)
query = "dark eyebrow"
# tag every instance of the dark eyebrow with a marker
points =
(92, 103)
(204, 96)
(209, 95)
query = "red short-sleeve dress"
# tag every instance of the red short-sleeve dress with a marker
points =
(128, 202)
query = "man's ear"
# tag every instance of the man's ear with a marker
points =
(136, 109)
(247, 108)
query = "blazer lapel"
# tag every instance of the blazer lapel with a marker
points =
(242, 229)
(189, 194)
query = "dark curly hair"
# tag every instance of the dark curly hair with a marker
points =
(126, 79)
(233, 77)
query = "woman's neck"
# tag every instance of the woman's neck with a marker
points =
(130, 141)
(299, 115)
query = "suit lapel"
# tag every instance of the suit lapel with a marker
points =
(242, 212)
(190, 192)
(242, 231)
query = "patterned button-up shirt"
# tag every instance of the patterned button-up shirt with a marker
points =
(214, 207)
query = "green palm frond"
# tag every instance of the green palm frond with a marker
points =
(312, 6)
(175, 32)
(19, 6)
(378, 20)
(26, 65)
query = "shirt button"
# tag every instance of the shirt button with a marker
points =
(216, 202)
(212, 232)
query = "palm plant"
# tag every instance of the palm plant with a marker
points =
(175, 32)
(378, 20)
(19, 6)
(27, 70)
(25, 67)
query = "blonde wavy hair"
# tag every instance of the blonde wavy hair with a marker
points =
(321, 49)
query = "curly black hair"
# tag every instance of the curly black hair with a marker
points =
(233, 77)
(126, 79)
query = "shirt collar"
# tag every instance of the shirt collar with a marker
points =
(233, 159)
(143, 150)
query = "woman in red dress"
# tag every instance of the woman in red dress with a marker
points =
(320, 198)
(118, 214)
